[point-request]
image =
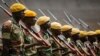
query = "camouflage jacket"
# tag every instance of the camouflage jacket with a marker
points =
(28, 39)
(13, 40)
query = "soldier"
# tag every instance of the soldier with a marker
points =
(44, 23)
(98, 36)
(29, 20)
(75, 39)
(74, 34)
(92, 42)
(98, 41)
(56, 31)
(82, 36)
(87, 42)
(66, 31)
(91, 36)
(31, 41)
(12, 32)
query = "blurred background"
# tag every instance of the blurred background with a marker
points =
(83, 14)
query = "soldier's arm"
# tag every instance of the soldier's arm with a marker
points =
(57, 49)
(45, 42)
(42, 47)
(31, 45)
(58, 42)
(6, 29)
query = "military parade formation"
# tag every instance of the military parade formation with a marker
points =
(27, 35)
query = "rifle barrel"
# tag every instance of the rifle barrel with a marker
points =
(75, 19)
(51, 14)
(5, 3)
(42, 12)
(67, 17)
(6, 11)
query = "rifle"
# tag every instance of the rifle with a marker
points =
(72, 46)
(83, 24)
(54, 36)
(47, 31)
(83, 48)
(90, 49)
(63, 47)
(67, 45)
(5, 3)
(88, 42)
(8, 13)
(69, 19)
(72, 23)
(78, 41)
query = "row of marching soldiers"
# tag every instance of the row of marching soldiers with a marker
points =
(25, 35)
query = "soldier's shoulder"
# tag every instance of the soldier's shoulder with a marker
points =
(7, 24)
(8, 21)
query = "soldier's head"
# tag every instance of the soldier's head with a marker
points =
(83, 36)
(44, 22)
(17, 10)
(75, 34)
(55, 28)
(66, 30)
(98, 34)
(91, 36)
(29, 17)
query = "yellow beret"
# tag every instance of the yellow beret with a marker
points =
(66, 27)
(75, 31)
(55, 25)
(97, 31)
(16, 7)
(83, 33)
(30, 13)
(43, 19)
(91, 33)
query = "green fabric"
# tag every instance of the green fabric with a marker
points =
(29, 40)
(16, 34)
(98, 51)
(48, 51)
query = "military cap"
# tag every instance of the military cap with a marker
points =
(66, 28)
(30, 13)
(90, 33)
(16, 7)
(55, 25)
(43, 19)
(75, 31)
(83, 33)
(97, 31)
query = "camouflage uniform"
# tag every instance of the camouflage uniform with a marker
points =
(30, 40)
(97, 47)
(49, 51)
(9, 38)
(99, 50)
(45, 51)
(98, 42)
(54, 47)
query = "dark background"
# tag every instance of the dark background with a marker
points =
(86, 10)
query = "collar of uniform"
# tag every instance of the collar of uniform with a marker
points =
(14, 22)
